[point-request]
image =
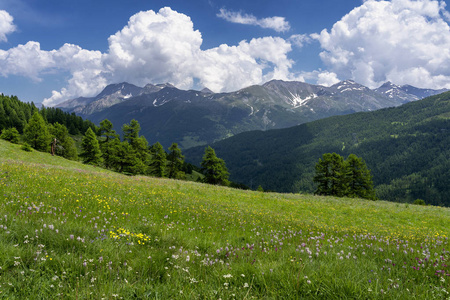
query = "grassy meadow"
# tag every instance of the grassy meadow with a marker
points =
(71, 231)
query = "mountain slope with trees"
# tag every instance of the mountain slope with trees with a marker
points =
(406, 148)
(190, 118)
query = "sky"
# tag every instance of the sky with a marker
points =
(55, 50)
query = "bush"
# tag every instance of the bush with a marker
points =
(11, 135)
(419, 202)
(26, 147)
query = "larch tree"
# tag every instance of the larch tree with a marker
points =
(214, 168)
(358, 179)
(175, 162)
(91, 149)
(65, 145)
(329, 175)
(158, 160)
(36, 133)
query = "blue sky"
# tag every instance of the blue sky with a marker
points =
(52, 50)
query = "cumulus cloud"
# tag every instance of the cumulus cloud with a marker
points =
(327, 78)
(403, 41)
(164, 47)
(300, 40)
(6, 25)
(153, 47)
(278, 24)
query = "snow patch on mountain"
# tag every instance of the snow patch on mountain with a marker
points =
(298, 101)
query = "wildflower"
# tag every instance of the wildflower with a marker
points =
(246, 285)
(227, 276)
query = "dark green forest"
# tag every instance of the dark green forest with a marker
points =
(15, 113)
(53, 130)
(406, 148)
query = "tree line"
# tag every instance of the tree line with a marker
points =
(133, 155)
(343, 178)
(15, 113)
(51, 129)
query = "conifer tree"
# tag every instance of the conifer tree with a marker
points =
(139, 144)
(110, 146)
(126, 159)
(175, 162)
(91, 150)
(106, 130)
(329, 175)
(358, 179)
(214, 168)
(65, 145)
(36, 133)
(158, 161)
(349, 178)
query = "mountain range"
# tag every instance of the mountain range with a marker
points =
(407, 149)
(191, 118)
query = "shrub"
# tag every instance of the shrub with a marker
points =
(419, 202)
(11, 135)
(26, 147)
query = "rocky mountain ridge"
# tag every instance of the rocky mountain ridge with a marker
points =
(192, 118)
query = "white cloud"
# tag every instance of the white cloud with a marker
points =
(327, 78)
(154, 47)
(403, 41)
(163, 46)
(6, 25)
(278, 24)
(300, 40)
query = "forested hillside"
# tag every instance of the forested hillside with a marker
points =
(407, 149)
(15, 113)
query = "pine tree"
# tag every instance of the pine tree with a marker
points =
(111, 151)
(65, 145)
(127, 161)
(349, 178)
(106, 130)
(139, 144)
(158, 161)
(91, 150)
(36, 133)
(110, 146)
(175, 161)
(131, 131)
(358, 179)
(214, 168)
(329, 175)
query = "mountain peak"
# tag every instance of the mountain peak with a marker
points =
(164, 85)
(124, 87)
(206, 91)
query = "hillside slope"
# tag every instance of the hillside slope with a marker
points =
(407, 149)
(75, 231)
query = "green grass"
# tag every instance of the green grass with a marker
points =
(73, 231)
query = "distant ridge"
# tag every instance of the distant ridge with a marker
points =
(407, 149)
(192, 118)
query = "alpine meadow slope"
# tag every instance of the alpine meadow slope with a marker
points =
(407, 149)
(74, 231)
(190, 118)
